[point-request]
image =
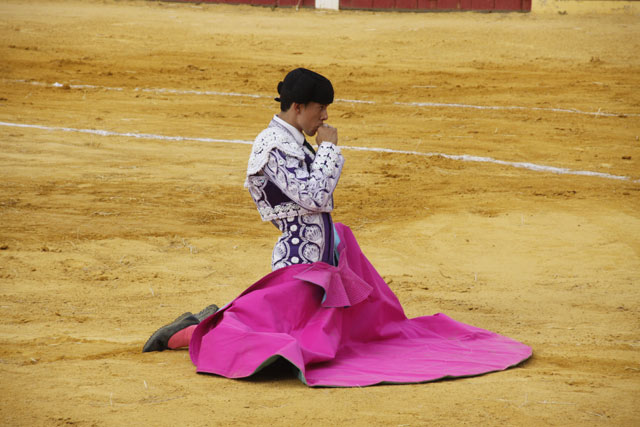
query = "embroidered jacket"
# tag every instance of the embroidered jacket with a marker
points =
(292, 186)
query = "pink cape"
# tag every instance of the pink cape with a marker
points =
(342, 326)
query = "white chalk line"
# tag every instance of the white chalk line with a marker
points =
(139, 89)
(126, 134)
(165, 90)
(352, 101)
(458, 157)
(514, 107)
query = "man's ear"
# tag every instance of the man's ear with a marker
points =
(296, 107)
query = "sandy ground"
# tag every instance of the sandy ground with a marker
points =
(104, 238)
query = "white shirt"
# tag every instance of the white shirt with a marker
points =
(299, 137)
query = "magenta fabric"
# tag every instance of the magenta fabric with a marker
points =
(342, 326)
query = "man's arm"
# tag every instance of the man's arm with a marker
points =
(312, 190)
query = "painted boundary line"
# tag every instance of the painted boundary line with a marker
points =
(461, 157)
(514, 107)
(598, 113)
(126, 134)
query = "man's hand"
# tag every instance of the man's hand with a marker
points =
(327, 133)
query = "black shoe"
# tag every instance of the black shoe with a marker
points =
(206, 312)
(159, 341)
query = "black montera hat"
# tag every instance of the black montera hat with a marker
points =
(303, 86)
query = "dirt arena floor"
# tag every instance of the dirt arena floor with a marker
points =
(105, 237)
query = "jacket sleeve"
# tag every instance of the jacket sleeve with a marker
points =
(312, 189)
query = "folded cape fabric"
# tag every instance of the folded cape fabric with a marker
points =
(343, 327)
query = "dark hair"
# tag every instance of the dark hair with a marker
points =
(303, 86)
(284, 104)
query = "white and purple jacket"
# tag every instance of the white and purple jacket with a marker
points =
(292, 186)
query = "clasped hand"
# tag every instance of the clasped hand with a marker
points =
(327, 133)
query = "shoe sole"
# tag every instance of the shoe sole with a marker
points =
(159, 340)
(206, 312)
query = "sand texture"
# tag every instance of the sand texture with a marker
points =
(105, 237)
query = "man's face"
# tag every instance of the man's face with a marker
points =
(312, 116)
